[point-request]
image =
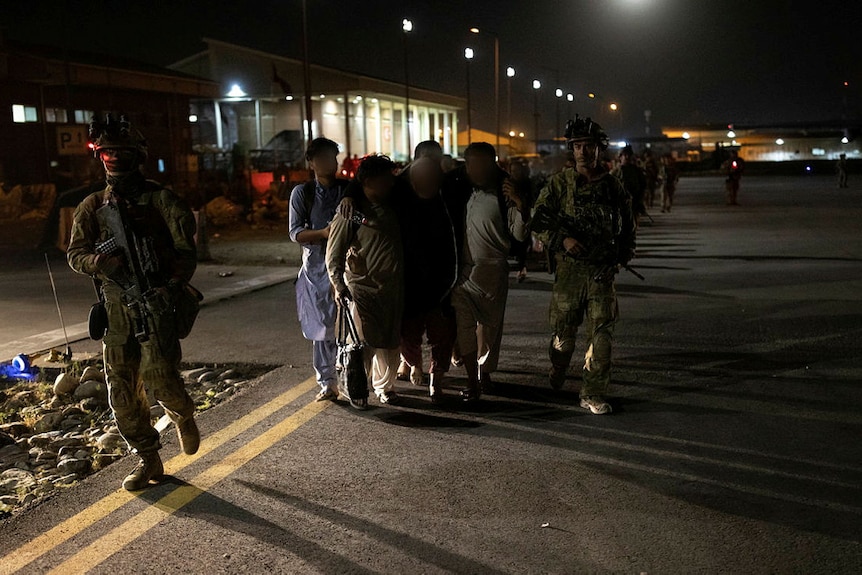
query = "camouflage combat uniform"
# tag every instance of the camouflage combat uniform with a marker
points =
(132, 366)
(584, 285)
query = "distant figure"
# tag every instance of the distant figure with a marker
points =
(633, 180)
(448, 163)
(842, 171)
(669, 177)
(733, 167)
(650, 167)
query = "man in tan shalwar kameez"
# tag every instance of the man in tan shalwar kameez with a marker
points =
(365, 266)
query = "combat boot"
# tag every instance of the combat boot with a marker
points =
(149, 467)
(190, 437)
(557, 377)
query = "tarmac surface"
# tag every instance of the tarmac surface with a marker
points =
(734, 446)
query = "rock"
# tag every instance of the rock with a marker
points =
(56, 402)
(11, 455)
(15, 479)
(20, 400)
(6, 439)
(40, 455)
(102, 460)
(48, 422)
(207, 376)
(9, 500)
(227, 374)
(66, 479)
(193, 374)
(222, 395)
(44, 439)
(92, 373)
(73, 411)
(242, 383)
(92, 404)
(109, 441)
(68, 441)
(65, 384)
(95, 389)
(72, 465)
(71, 423)
(15, 429)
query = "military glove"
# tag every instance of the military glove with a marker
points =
(108, 265)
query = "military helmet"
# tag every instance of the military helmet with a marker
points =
(585, 129)
(116, 134)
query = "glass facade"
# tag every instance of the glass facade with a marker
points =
(361, 123)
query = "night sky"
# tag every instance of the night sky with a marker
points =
(688, 61)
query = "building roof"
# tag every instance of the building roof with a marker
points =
(326, 78)
(49, 65)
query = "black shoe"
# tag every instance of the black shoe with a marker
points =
(471, 395)
(557, 377)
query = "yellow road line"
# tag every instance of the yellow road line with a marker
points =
(67, 529)
(113, 541)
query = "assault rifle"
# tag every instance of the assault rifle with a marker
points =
(140, 265)
(592, 231)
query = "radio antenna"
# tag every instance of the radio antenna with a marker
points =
(67, 355)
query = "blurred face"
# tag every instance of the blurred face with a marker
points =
(480, 169)
(586, 154)
(324, 164)
(119, 160)
(377, 189)
(625, 159)
(425, 177)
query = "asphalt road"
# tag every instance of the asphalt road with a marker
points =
(734, 446)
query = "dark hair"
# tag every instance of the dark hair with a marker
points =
(319, 145)
(374, 167)
(482, 148)
(426, 147)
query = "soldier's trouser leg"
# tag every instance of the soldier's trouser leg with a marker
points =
(568, 301)
(160, 372)
(126, 393)
(602, 312)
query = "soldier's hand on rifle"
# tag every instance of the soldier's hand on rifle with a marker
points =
(107, 264)
(573, 247)
(510, 192)
(345, 208)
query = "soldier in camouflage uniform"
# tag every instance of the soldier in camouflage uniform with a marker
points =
(585, 218)
(141, 345)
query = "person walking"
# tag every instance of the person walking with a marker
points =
(312, 207)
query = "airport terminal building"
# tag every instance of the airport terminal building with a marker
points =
(261, 97)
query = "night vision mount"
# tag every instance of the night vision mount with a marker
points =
(585, 129)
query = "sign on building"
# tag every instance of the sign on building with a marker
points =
(72, 140)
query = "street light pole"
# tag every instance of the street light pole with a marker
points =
(537, 85)
(406, 27)
(468, 55)
(559, 94)
(510, 73)
(496, 83)
(569, 98)
(306, 71)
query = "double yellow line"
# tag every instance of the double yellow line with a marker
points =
(113, 541)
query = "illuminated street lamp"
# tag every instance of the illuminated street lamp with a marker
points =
(780, 141)
(613, 107)
(537, 85)
(510, 73)
(406, 28)
(468, 55)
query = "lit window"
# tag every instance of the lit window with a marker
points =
(83, 116)
(23, 114)
(55, 115)
(818, 152)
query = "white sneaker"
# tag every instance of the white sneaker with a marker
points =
(596, 404)
(387, 398)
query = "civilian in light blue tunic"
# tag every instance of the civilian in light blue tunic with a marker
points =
(312, 206)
